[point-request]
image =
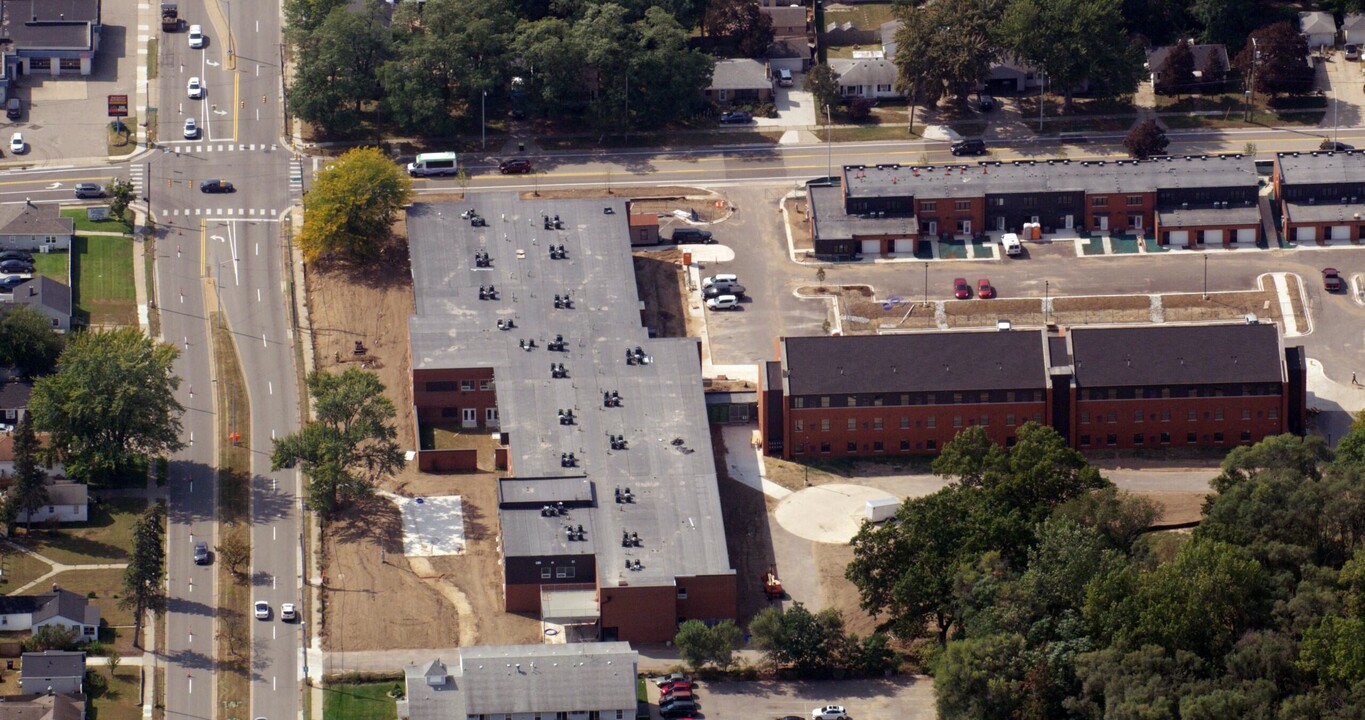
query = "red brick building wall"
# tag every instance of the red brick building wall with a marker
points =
(640, 614)
(946, 212)
(709, 597)
(441, 395)
(1168, 422)
(1120, 213)
(912, 430)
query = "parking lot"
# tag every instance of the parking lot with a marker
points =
(899, 698)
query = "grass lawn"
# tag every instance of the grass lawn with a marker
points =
(362, 701)
(106, 538)
(103, 267)
(119, 700)
(867, 133)
(864, 16)
(54, 265)
(18, 569)
(108, 588)
(82, 223)
(123, 142)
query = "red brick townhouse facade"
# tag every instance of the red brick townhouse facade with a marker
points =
(1101, 387)
(890, 208)
(1320, 195)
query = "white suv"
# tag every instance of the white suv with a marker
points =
(722, 302)
(196, 37)
(829, 712)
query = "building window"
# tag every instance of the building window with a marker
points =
(1037, 417)
(824, 401)
(1165, 416)
(931, 422)
(1111, 440)
(905, 422)
(905, 445)
(1113, 418)
(545, 573)
(1134, 200)
(905, 399)
(1246, 414)
(852, 424)
(1193, 416)
(877, 400)
(1165, 438)
(1099, 201)
(962, 205)
(799, 425)
(485, 384)
(853, 447)
(877, 446)
(1218, 413)
(928, 206)
(1137, 438)
(1009, 419)
(682, 593)
(800, 448)
(564, 572)
(469, 415)
(1191, 438)
(1218, 438)
(851, 401)
(824, 425)
(1085, 418)
(442, 386)
(824, 447)
(1246, 436)
(466, 385)
(876, 423)
(1085, 441)
(985, 420)
(490, 414)
(1137, 416)
(798, 402)
(931, 444)
(1274, 413)
(957, 421)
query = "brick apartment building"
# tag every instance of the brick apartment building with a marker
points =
(1184, 201)
(527, 326)
(1319, 194)
(1213, 385)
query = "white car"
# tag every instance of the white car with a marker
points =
(262, 610)
(16, 143)
(719, 279)
(288, 613)
(195, 88)
(191, 129)
(722, 302)
(829, 712)
(196, 37)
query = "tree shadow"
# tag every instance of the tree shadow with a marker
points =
(372, 519)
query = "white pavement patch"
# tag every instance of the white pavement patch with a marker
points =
(1291, 327)
(744, 462)
(827, 513)
(432, 525)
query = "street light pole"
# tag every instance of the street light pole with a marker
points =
(926, 284)
(1042, 88)
(829, 145)
(1047, 315)
(483, 120)
(1206, 277)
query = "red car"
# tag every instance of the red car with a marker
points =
(510, 167)
(961, 290)
(674, 686)
(675, 694)
(984, 289)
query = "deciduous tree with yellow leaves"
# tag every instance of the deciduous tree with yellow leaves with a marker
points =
(349, 209)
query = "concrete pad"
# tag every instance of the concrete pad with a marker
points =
(744, 462)
(941, 132)
(826, 513)
(708, 253)
(432, 525)
(790, 137)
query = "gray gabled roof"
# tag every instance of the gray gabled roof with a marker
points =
(1184, 355)
(41, 706)
(53, 664)
(576, 677)
(1316, 23)
(1353, 21)
(740, 74)
(27, 219)
(45, 292)
(14, 394)
(914, 362)
(65, 604)
(1156, 57)
(879, 71)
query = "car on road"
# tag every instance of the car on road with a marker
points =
(16, 143)
(262, 610)
(15, 266)
(195, 88)
(984, 289)
(1331, 279)
(9, 282)
(216, 186)
(515, 166)
(723, 302)
(201, 553)
(695, 236)
(726, 289)
(17, 255)
(86, 190)
(974, 146)
(191, 129)
(1335, 146)
(961, 290)
(196, 37)
(829, 712)
(736, 117)
(288, 613)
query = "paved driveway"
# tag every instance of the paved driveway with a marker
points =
(795, 106)
(900, 698)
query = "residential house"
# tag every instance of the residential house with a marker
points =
(1318, 28)
(1203, 56)
(866, 78)
(54, 470)
(51, 37)
(53, 671)
(42, 706)
(34, 227)
(47, 297)
(59, 607)
(1353, 29)
(563, 542)
(67, 502)
(1122, 387)
(574, 680)
(788, 20)
(846, 34)
(740, 80)
(1320, 195)
(14, 395)
(792, 53)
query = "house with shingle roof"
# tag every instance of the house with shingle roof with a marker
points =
(19, 613)
(34, 227)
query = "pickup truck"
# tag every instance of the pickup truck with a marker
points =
(170, 17)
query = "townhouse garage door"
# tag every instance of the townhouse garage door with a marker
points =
(872, 247)
(1246, 235)
(1305, 233)
(1341, 232)
(905, 245)
(1179, 237)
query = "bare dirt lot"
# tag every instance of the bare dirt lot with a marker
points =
(659, 281)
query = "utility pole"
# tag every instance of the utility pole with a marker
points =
(483, 120)
(1047, 314)
(1042, 88)
(829, 145)
(926, 284)
(1206, 277)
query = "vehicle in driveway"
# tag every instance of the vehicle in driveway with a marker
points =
(262, 610)
(194, 88)
(14, 108)
(668, 687)
(16, 143)
(691, 235)
(24, 255)
(784, 78)
(1331, 280)
(677, 708)
(985, 103)
(1010, 242)
(974, 146)
(719, 279)
(723, 302)
(515, 167)
(216, 186)
(736, 117)
(984, 289)
(829, 712)
(672, 678)
(16, 266)
(9, 282)
(88, 190)
(725, 289)
(1352, 51)
(961, 290)
(201, 553)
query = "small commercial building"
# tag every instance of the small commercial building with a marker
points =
(50, 37)
(1124, 387)
(1320, 195)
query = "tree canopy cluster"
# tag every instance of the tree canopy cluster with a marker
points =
(815, 645)
(1049, 598)
(434, 65)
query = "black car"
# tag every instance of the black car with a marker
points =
(515, 167)
(677, 708)
(975, 146)
(692, 235)
(736, 117)
(985, 103)
(718, 290)
(216, 186)
(8, 283)
(14, 108)
(16, 255)
(201, 553)
(16, 266)
(1335, 146)
(89, 190)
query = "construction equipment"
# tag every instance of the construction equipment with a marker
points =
(772, 586)
(170, 17)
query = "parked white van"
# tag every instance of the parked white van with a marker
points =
(1010, 242)
(442, 163)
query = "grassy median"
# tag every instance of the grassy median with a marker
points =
(234, 524)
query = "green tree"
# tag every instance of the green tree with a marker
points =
(144, 579)
(51, 637)
(1146, 139)
(981, 678)
(234, 552)
(551, 78)
(1285, 455)
(741, 24)
(809, 643)
(304, 16)
(1228, 22)
(1157, 20)
(666, 77)
(29, 491)
(27, 342)
(350, 445)
(337, 68)
(699, 644)
(823, 85)
(1277, 58)
(1084, 41)
(110, 404)
(946, 47)
(1334, 650)
(120, 194)
(1177, 72)
(351, 206)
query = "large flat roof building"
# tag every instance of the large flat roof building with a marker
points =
(628, 535)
